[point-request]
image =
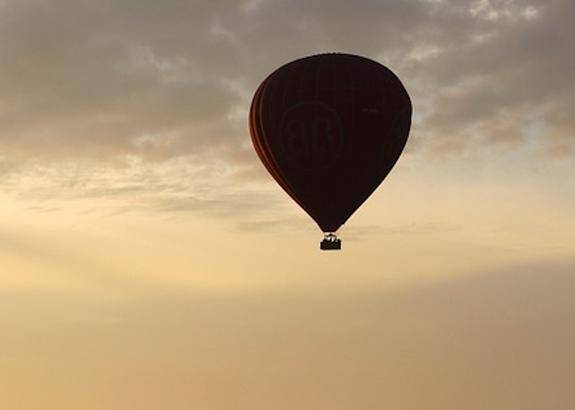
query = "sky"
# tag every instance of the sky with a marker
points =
(148, 261)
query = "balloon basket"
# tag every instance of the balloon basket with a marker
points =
(330, 243)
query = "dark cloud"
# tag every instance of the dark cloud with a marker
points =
(508, 74)
(114, 80)
(161, 78)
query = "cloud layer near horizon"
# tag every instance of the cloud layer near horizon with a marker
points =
(502, 339)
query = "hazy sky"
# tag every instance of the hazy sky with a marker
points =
(147, 260)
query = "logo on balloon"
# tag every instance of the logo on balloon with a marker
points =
(311, 135)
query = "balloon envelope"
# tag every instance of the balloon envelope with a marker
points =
(329, 128)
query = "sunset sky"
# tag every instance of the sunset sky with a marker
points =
(148, 261)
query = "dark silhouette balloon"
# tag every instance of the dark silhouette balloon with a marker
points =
(329, 128)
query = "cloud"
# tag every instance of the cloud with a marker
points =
(506, 74)
(95, 79)
(113, 80)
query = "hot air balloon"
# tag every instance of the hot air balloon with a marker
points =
(329, 128)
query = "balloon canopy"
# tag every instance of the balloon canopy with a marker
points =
(329, 128)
